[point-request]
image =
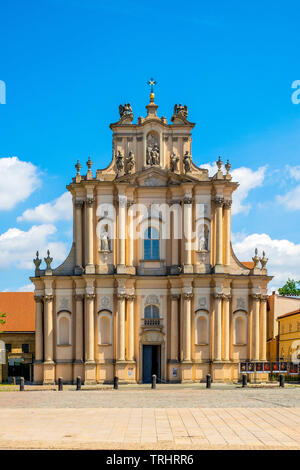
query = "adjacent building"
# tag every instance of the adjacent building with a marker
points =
(18, 334)
(151, 284)
(278, 307)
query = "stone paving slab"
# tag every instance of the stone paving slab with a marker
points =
(181, 418)
(150, 428)
(160, 398)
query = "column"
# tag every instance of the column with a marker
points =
(48, 327)
(122, 232)
(218, 327)
(79, 328)
(176, 230)
(89, 233)
(255, 329)
(174, 326)
(121, 327)
(130, 299)
(226, 327)
(263, 327)
(187, 229)
(227, 214)
(38, 328)
(219, 230)
(131, 234)
(187, 307)
(90, 335)
(78, 233)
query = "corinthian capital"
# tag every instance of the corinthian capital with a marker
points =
(90, 201)
(175, 296)
(48, 298)
(256, 296)
(78, 204)
(187, 200)
(219, 201)
(79, 297)
(227, 203)
(121, 295)
(90, 296)
(187, 295)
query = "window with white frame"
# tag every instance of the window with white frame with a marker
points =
(64, 329)
(151, 311)
(151, 244)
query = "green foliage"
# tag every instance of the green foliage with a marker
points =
(2, 319)
(290, 288)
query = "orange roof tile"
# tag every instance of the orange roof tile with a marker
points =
(295, 312)
(248, 264)
(20, 311)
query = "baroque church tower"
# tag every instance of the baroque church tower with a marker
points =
(151, 284)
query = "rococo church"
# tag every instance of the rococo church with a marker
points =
(151, 284)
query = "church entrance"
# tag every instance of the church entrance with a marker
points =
(151, 362)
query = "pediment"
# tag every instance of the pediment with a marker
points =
(152, 177)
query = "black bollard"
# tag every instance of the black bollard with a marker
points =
(21, 384)
(208, 381)
(281, 380)
(153, 385)
(78, 383)
(116, 383)
(244, 380)
(60, 384)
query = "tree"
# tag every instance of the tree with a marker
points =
(290, 288)
(2, 319)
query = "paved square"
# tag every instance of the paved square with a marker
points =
(139, 418)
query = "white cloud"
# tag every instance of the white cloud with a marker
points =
(59, 209)
(18, 181)
(291, 200)
(293, 171)
(247, 178)
(284, 255)
(26, 288)
(18, 248)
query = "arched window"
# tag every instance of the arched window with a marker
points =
(202, 328)
(64, 329)
(105, 328)
(151, 311)
(240, 328)
(151, 244)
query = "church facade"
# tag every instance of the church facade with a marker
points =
(151, 284)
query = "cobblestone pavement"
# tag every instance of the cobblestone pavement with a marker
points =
(160, 398)
(181, 418)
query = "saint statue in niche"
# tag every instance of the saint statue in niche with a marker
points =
(174, 162)
(119, 162)
(152, 153)
(104, 240)
(203, 237)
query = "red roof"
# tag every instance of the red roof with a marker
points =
(20, 311)
(248, 264)
(295, 312)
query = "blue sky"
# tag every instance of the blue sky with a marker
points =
(68, 64)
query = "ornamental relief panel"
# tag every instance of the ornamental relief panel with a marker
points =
(105, 302)
(63, 303)
(241, 303)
